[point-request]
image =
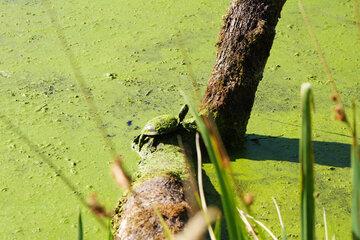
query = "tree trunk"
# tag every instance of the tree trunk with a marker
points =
(243, 48)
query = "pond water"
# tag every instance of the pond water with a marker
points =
(142, 42)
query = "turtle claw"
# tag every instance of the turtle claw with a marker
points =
(140, 146)
(138, 142)
(136, 139)
(141, 141)
(150, 141)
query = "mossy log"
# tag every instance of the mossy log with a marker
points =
(162, 187)
(163, 180)
(137, 218)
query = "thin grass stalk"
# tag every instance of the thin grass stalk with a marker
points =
(88, 98)
(227, 189)
(191, 192)
(65, 180)
(307, 164)
(217, 229)
(79, 78)
(357, 16)
(326, 234)
(166, 230)
(197, 225)
(282, 225)
(341, 115)
(110, 234)
(190, 73)
(318, 49)
(201, 186)
(248, 226)
(80, 227)
(355, 162)
(228, 193)
(336, 97)
(263, 226)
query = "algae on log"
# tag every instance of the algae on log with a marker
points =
(243, 48)
(162, 187)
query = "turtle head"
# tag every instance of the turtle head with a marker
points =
(183, 111)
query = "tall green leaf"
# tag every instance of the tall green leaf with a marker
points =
(306, 155)
(217, 229)
(80, 228)
(110, 234)
(355, 162)
(220, 160)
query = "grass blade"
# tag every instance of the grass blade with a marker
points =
(80, 227)
(221, 162)
(355, 162)
(166, 230)
(217, 230)
(79, 77)
(196, 227)
(263, 226)
(110, 234)
(282, 225)
(325, 225)
(248, 226)
(307, 164)
(201, 186)
(318, 49)
(357, 15)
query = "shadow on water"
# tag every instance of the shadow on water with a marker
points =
(260, 147)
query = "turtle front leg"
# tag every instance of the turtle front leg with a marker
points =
(136, 142)
(150, 141)
(136, 139)
(141, 141)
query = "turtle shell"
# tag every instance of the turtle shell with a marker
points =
(160, 125)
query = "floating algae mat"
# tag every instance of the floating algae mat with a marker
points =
(130, 55)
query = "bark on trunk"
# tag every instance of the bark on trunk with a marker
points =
(243, 48)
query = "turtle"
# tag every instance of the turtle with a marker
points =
(160, 125)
